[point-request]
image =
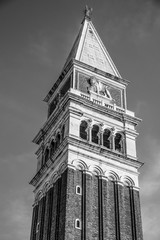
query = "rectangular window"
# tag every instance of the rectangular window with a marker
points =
(77, 224)
(78, 190)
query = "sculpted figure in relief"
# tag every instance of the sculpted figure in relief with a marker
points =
(93, 85)
(99, 88)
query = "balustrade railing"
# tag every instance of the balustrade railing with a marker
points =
(99, 100)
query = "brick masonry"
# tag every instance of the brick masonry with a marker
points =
(34, 222)
(105, 208)
(137, 213)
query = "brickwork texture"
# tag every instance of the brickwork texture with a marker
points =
(104, 208)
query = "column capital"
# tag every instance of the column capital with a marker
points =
(86, 171)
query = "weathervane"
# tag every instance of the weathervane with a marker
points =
(88, 12)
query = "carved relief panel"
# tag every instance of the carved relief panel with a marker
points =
(90, 84)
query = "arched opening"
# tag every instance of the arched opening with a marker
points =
(52, 147)
(46, 155)
(58, 140)
(63, 130)
(78, 190)
(118, 142)
(78, 223)
(95, 131)
(83, 130)
(106, 140)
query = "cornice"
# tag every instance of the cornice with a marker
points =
(88, 104)
(59, 80)
(104, 110)
(111, 154)
(56, 114)
(50, 164)
(100, 72)
(73, 63)
(134, 120)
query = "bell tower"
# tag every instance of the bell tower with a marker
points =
(86, 185)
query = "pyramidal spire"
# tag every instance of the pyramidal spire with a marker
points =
(88, 47)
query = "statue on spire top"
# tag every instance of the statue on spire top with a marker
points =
(88, 12)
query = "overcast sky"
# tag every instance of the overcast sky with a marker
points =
(35, 39)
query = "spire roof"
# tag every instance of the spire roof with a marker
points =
(88, 48)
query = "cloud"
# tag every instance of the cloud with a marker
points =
(150, 188)
(16, 218)
(15, 106)
(156, 2)
(16, 202)
(4, 2)
(18, 115)
(139, 107)
(151, 175)
(133, 20)
(40, 47)
(150, 222)
(145, 20)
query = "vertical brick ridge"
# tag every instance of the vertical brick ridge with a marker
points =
(62, 211)
(111, 213)
(89, 207)
(122, 212)
(54, 210)
(58, 209)
(137, 211)
(117, 218)
(105, 208)
(83, 206)
(70, 205)
(42, 217)
(94, 208)
(100, 206)
(34, 222)
(133, 220)
(48, 211)
(125, 212)
(46, 217)
(78, 203)
(39, 217)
